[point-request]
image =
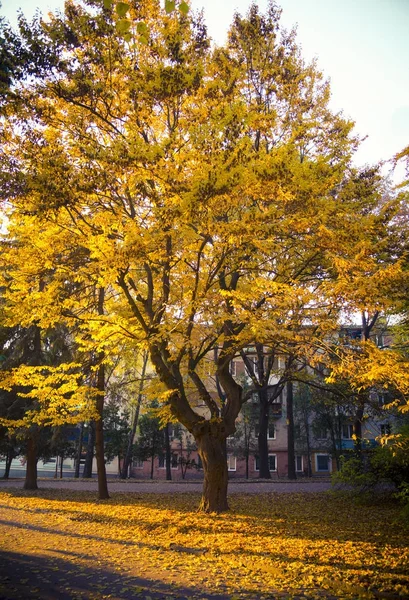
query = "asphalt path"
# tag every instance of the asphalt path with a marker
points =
(172, 487)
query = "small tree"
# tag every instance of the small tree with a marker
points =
(151, 439)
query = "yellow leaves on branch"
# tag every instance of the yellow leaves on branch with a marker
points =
(369, 365)
(55, 395)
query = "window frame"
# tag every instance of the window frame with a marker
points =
(229, 467)
(329, 462)
(299, 456)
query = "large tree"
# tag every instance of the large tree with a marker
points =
(198, 188)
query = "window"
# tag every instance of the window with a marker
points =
(174, 460)
(231, 462)
(138, 463)
(253, 362)
(174, 431)
(161, 460)
(322, 462)
(383, 399)
(347, 431)
(298, 464)
(199, 462)
(385, 429)
(272, 462)
(271, 431)
(233, 368)
(321, 433)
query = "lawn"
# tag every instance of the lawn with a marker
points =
(157, 546)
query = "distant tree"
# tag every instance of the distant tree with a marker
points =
(150, 443)
(116, 431)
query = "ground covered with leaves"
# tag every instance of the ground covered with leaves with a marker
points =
(60, 544)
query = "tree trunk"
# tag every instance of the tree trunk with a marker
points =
(79, 452)
(212, 452)
(264, 470)
(290, 431)
(152, 461)
(357, 431)
(9, 458)
(99, 436)
(128, 455)
(31, 466)
(89, 457)
(307, 437)
(61, 465)
(168, 456)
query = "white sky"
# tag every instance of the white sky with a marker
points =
(361, 45)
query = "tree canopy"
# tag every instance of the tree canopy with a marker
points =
(209, 193)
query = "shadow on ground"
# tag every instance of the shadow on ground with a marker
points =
(28, 577)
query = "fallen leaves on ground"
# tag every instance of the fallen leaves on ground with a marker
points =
(271, 545)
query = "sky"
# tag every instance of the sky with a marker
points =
(362, 46)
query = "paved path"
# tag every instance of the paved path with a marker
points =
(172, 487)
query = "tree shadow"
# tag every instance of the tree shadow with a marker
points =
(31, 577)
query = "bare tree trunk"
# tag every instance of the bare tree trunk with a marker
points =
(290, 431)
(152, 462)
(99, 424)
(212, 450)
(128, 455)
(89, 457)
(357, 431)
(168, 454)
(79, 452)
(9, 458)
(61, 465)
(31, 466)
(308, 442)
(264, 470)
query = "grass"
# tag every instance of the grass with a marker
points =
(152, 545)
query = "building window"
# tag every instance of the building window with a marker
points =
(231, 462)
(298, 464)
(347, 432)
(161, 460)
(233, 368)
(322, 462)
(271, 431)
(174, 460)
(138, 463)
(383, 399)
(321, 433)
(385, 429)
(199, 462)
(272, 462)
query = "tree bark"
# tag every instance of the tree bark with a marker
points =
(168, 456)
(87, 471)
(211, 447)
(264, 470)
(357, 431)
(290, 431)
(79, 452)
(99, 436)
(30, 482)
(9, 458)
(128, 455)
